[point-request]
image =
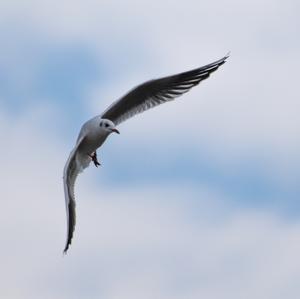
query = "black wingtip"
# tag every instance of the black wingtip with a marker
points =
(69, 241)
(227, 55)
(66, 249)
(71, 225)
(219, 62)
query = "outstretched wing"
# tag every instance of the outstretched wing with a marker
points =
(73, 167)
(156, 92)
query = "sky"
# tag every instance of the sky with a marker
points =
(197, 198)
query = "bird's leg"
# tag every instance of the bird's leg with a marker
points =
(93, 156)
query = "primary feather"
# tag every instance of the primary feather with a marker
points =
(158, 91)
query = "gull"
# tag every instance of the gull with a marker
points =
(94, 132)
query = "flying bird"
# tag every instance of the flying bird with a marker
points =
(94, 132)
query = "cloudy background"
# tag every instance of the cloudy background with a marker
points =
(198, 198)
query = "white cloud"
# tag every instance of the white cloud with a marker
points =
(154, 241)
(247, 110)
(248, 107)
(149, 241)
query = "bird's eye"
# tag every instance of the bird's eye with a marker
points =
(106, 125)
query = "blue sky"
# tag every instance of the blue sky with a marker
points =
(196, 198)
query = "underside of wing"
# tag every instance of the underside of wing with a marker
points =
(156, 92)
(72, 168)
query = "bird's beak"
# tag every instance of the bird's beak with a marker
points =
(115, 130)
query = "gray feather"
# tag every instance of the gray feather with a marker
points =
(155, 92)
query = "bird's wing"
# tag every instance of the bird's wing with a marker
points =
(156, 92)
(72, 168)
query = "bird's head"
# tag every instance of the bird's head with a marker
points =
(108, 126)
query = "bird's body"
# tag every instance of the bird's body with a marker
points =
(94, 135)
(95, 131)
